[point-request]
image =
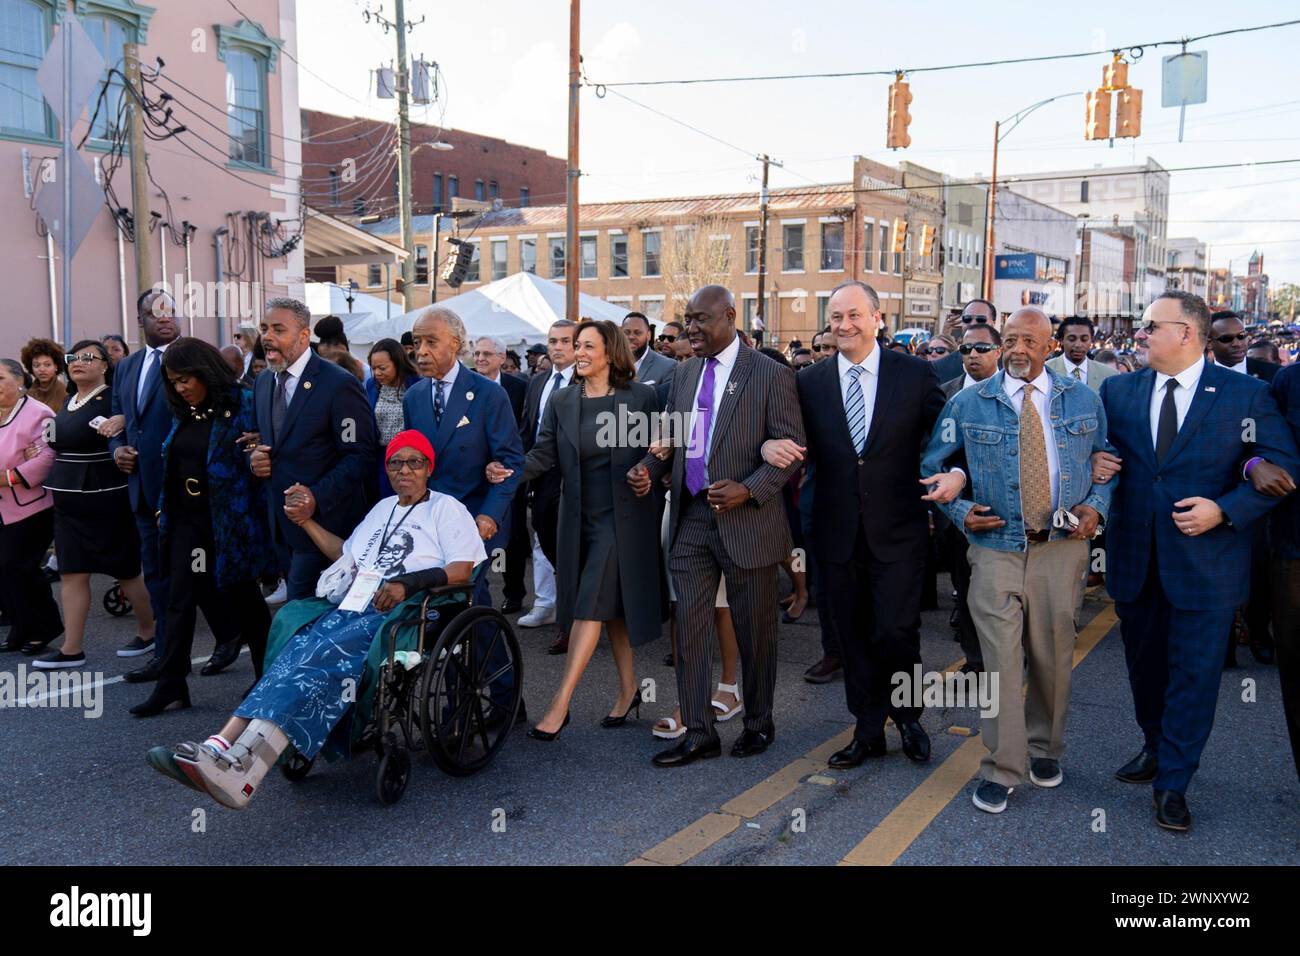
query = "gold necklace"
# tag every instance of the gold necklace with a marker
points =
(77, 402)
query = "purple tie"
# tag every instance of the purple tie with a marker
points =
(697, 454)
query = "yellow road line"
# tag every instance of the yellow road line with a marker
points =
(894, 834)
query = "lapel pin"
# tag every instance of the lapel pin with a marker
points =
(306, 384)
(1209, 388)
(227, 413)
(469, 396)
(731, 388)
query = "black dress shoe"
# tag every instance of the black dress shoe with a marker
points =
(751, 742)
(1263, 651)
(1141, 769)
(559, 646)
(511, 606)
(548, 735)
(685, 753)
(224, 655)
(858, 751)
(916, 742)
(162, 698)
(143, 675)
(1171, 810)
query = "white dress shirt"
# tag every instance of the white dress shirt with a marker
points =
(1070, 367)
(1238, 368)
(1183, 394)
(295, 373)
(639, 362)
(967, 382)
(566, 376)
(449, 380)
(1015, 389)
(152, 358)
(868, 379)
(726, 362)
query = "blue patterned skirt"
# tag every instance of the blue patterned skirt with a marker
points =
(316, 679)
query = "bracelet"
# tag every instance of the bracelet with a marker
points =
(1251, 464)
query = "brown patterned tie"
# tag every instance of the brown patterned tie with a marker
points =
(1035, 479)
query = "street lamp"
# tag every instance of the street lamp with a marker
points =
(1015, 119)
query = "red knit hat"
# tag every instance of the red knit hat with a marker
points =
(410, 439)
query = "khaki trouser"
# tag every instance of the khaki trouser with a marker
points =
(1025, 601)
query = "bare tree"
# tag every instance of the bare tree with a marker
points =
(692, 254)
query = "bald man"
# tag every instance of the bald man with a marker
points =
(1025, 436)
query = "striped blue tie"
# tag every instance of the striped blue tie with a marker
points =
(855, 409)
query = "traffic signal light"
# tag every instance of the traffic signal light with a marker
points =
(900, 236)
(899, 99)
(927, 240)
(1097, 124)
(1128, 113)
(453, 274)
(1114, 76)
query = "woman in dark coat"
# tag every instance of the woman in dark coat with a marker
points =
(392, 373)
(609, 571)
(212, 521)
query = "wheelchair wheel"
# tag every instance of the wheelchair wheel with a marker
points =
(296, 767)
(462, 726)
(394, 772)
(115, 602)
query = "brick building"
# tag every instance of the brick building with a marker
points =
(350, 168)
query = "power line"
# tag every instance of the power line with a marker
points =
(1134, 49)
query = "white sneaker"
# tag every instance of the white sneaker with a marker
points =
(279, 595)
(537, 616)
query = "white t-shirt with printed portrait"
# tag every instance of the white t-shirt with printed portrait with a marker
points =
(398, 539)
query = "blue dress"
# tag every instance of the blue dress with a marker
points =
(316, 679)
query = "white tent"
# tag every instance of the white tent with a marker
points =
(517, 309)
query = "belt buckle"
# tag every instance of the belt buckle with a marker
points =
(191, 486)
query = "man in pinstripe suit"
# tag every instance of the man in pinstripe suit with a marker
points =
(726, 518)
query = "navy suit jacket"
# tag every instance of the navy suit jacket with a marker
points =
(478, 426)
(326, 442)
(1284, 530)
(146, 429)
(1208, 571)
(517, 390)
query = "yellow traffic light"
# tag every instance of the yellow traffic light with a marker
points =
(899, 99)
(1114, 76)
(927, 240)
(900, 236)
(1097, 123)
(1128, 114)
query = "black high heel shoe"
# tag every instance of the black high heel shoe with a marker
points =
(609, 721)
(547, 735)
(161, 699)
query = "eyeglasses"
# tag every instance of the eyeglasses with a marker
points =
(982, 347)
(86, 357)
(935, 350)
(667, 338)
(968, 319)
(395, 466)
(1229, 339)
(1149, 325)
(824, 348)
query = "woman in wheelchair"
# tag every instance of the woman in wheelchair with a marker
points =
(412, 541)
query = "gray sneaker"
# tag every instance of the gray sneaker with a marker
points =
(1045, 772)
(991, 797)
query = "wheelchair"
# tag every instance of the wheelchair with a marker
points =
(115, 602)
(436, 658)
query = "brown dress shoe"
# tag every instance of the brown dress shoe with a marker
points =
(560, 645)
(824, 671)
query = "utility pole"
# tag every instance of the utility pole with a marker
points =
(571, 188)
(139, 171)
(986, 291)
(761, 309)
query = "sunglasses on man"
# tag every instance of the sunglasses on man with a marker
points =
(667, 338)
(934, 350)
(978, 319)
(1230, 338)
(823, 348)
(982, 347)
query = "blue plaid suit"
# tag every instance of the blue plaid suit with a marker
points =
(1176, 594)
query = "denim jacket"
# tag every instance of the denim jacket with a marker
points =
(980, 424)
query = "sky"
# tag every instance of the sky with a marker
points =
(505, 64)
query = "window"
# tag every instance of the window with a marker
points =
(822, 302)
(453, 188)
(24, 34)
(528, 255)
(587, 257)
(720, 254)
(792, 247)
(494, 190)
(478, 190)
(523, 196)
(907, 248)
(472, 274)
(749, 308)
(651, 241)
(978, 244)
(421, 265)
(374, 275)
(618, 257)
(437, 192)
(245, 107)
(884, 247)
(109, 36)
(652, 307)
(833, 246)
(498, 259)
(556, 245)
(868, 235)
(751, 248)
(1083, 190)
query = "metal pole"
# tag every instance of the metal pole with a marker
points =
(139, 174)
(162, 246)
(433, 276)
(388, 290)
(571, 199)
(54, 289)
(66, 232)
(220, 296)
(987, 285)
(761, 307)
(121, 281)
(185, 292)
(404, 161)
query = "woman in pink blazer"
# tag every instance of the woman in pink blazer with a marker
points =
(26, 521)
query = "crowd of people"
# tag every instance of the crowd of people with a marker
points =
(1025, 456)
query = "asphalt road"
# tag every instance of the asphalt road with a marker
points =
(79, 792)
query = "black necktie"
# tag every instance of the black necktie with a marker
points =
(279, 403)
(1167, 428)
(147, 378)
(437, 401)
